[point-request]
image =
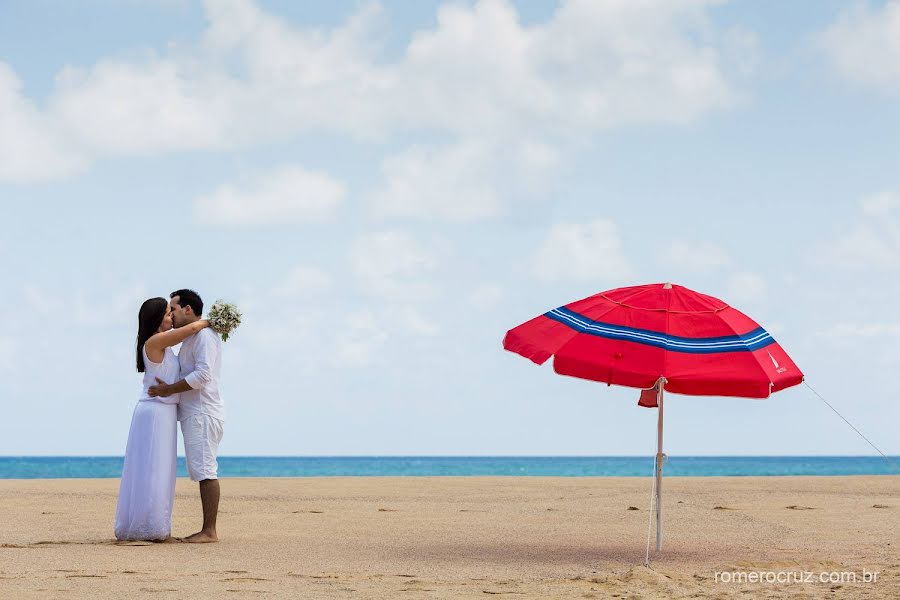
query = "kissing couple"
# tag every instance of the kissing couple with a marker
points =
(182, 387)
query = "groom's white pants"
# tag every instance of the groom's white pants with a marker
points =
(202, 434)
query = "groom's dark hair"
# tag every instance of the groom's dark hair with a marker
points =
(189, 298)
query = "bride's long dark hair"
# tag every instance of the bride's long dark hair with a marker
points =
(150, 317)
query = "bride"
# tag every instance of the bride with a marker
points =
(147, 490)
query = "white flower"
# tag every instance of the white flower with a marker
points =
(224, 318)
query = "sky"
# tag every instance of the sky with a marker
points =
(386, 188)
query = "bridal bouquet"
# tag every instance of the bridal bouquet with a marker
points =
(224, 318)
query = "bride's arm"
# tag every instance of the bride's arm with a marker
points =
(174, 337)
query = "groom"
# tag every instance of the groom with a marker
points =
(200, 409)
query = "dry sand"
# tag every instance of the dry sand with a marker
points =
(459, 538)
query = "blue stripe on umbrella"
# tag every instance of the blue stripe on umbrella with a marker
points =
(756, 339)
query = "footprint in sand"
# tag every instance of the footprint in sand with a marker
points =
(797, 507)
(387, 510)
(632, 508)
(314, 512)
(880, 506)
(45, 543)
(725, 508)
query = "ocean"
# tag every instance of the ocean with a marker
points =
(60, 467)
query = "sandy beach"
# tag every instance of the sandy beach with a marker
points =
(462, 538)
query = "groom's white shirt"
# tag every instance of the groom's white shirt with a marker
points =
(200, 358)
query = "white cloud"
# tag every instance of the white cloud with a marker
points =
(589, 252)
(293, 78)
(695, 256)
(286, 195)
(478, 74)
(31, 146)
(144, 107)
(481, 74)
(863, 45)
(746, 288)
(871, 241)
(591, 65)
(486, 296)
(302, 281)
(392, 265)
(461, 181)
(452, 182)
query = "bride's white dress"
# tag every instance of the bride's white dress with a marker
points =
(147, 490)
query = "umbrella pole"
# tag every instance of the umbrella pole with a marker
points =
(659, 466)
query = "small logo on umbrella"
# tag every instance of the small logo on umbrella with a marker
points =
(778, 368)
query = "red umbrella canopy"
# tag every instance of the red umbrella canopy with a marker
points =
(633, 336)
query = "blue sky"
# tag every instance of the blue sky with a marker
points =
(385, 189)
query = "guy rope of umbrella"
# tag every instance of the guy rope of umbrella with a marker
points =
(887, 459)
(868, 441)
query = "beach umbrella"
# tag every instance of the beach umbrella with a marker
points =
(658, 337)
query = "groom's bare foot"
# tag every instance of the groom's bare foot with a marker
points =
(201, 537)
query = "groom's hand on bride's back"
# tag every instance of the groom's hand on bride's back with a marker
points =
(161, 389)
